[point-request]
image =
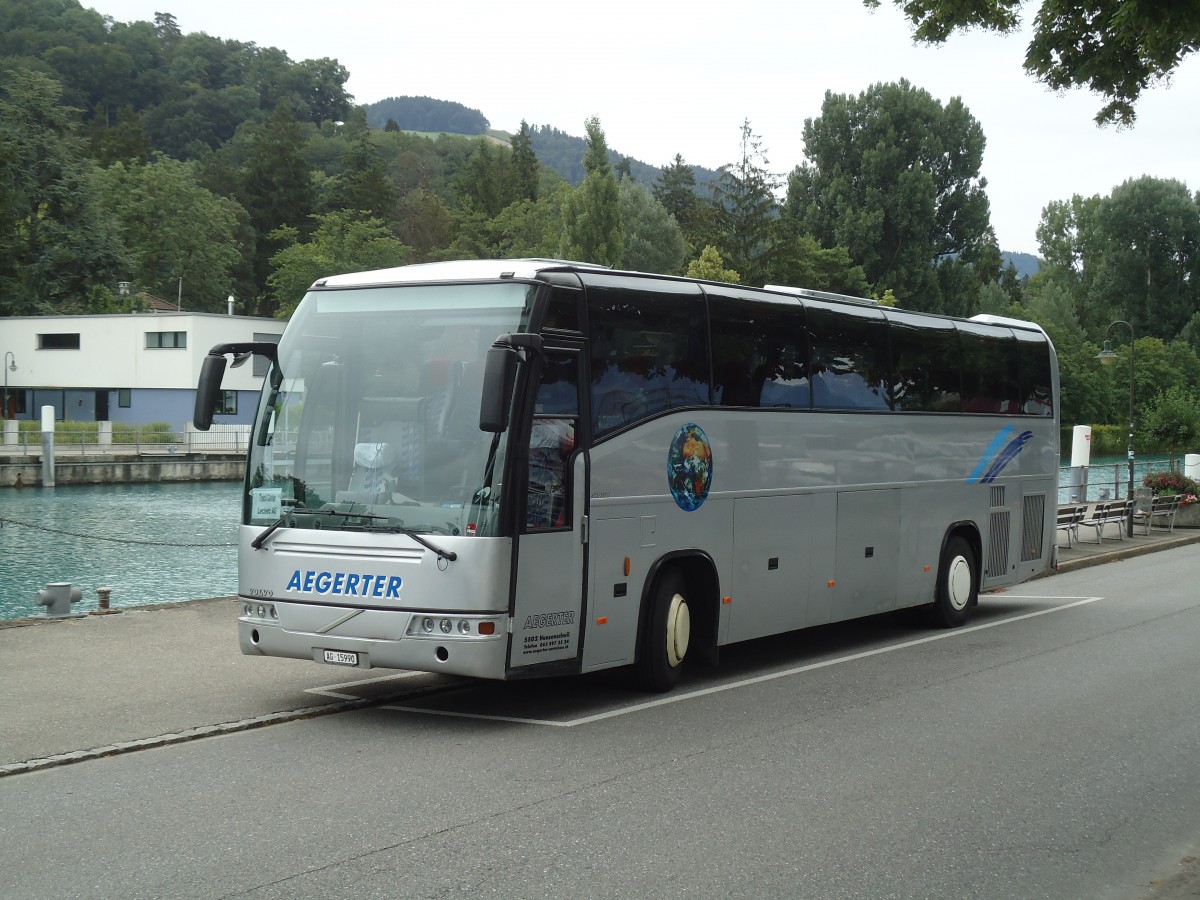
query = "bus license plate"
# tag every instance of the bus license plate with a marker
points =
(341, 658)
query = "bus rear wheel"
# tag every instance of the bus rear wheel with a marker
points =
(667, 634)
(957, 585)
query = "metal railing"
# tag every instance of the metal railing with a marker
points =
(1107, 481)
(151, 439)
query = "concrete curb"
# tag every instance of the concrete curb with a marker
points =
(1107, 556)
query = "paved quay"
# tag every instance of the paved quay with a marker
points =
(103, 684)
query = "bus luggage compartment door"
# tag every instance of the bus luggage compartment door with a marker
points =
(868, 553)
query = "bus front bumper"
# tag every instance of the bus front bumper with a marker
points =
(395, 639)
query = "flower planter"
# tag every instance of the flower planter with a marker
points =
(1188, 516)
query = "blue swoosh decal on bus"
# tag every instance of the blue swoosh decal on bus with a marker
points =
(994, 459)
(992, 449)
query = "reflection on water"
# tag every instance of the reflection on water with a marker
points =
(163, 549)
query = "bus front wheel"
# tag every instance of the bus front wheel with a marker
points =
(957, 585)
(667, 634)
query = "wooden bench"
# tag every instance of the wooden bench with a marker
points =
(1069, 518)
(1161, 507)
(1115, 512)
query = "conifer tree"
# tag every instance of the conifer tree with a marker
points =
(744, 198)
(524, 164)
(592, 213)
(276, 187)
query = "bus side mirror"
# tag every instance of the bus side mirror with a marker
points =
(499, 374)
(208, 391)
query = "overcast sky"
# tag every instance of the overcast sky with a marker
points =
(667, 78)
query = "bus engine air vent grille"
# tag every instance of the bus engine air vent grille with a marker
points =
(1033, 520)
(997, 555)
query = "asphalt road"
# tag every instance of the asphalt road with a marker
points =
(1049, 750)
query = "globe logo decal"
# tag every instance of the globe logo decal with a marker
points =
(689, 467)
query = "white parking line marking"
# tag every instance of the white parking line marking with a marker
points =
(331, 690)
(760, 679)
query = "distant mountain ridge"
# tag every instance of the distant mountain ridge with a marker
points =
(1026, 264)
(555, 149)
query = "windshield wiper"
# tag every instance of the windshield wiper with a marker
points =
(270, 529)
(408, 532)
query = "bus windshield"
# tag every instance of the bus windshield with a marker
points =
(372, 421)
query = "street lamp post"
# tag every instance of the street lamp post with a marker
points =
(10, 365)
(1108, 357)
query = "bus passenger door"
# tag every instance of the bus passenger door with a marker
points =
(547, 619)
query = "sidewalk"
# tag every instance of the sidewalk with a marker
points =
(83, 688)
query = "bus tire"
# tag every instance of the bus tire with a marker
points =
(667, 634)
(957, 587)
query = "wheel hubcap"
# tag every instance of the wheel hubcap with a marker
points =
(958, 586)
(679, 630)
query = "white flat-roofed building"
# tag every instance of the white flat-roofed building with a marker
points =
(133, 368)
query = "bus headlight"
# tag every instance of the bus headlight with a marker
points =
(430, 627)
(262, 612)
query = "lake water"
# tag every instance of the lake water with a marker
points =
(150, 543)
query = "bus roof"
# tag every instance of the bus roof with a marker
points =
(458, 270)
(531, 268)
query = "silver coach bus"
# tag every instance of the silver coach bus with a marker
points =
(506, 469)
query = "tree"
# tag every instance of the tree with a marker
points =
(710, 267)
(592, 213)
(1171, 420)
(675, 189)
(484, 184)
(56, 241)
(799, 261)
(1115, 48)
(1132, 255)
(993, 300)
(744, 198)
(342, 242)
(276, 188)
(175, 229)
(893, 176)
(1068, 247)
(1149, 229)
(523, 228)
(363, 183)
(424, 223)
(524, 164)
(653, 241)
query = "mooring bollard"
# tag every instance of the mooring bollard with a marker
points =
(103, 593)
(58, 597)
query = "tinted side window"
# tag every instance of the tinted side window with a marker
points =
(551, 441)
(562, 309)
(925, 370)
(649, 350)
(760, 353)
(1033, 356)
(989, 368)
(849, 358)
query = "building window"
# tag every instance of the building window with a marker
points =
(58, 341)
(159, 339)
(124, 398)
(228, 404)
